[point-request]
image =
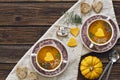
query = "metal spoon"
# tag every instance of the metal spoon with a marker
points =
(113, 56)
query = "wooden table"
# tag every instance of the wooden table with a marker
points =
(23, 22)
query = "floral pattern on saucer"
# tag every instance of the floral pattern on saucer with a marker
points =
(62, 49)
(97, 48)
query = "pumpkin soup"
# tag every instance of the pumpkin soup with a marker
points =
(49, 57)
(100, 31)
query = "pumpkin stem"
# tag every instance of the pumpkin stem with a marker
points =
(91, 68)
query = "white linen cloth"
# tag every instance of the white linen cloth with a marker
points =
(74, 54)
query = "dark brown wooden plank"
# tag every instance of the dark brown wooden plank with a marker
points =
(117, 10)
(5, 70)
(37, 13)
(21, 35)
(39, 0)
(12, 53)
(31, 13)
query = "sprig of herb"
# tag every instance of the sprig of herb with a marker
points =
(73, 18)
(58, 56)
(45, 65)
(91, 35)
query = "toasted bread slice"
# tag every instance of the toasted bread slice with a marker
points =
(32, 76)
(97, 6)
(85, 8)
(21, 72)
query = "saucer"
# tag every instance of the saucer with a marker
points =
(56, 44)
(96, 48)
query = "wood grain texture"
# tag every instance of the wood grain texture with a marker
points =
(37, 13)
(117, 10)
(31, 13)
(40, 0)
(12, 53)
(5, 70)
(21, 35)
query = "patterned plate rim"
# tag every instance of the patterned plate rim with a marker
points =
(113, 41)
(58, 71)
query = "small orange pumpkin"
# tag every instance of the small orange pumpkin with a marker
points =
(91, 67)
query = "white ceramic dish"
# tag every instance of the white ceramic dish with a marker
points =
(64, 60)
(99, 48)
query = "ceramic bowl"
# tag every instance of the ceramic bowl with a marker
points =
(95, 47)
(64, 57)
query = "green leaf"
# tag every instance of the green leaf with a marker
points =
(58, 55)
(91, 35)
(41, 63)
(73, 18)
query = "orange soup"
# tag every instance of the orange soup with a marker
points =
(100, 32)
(49, 57)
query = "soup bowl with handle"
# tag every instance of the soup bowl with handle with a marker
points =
(54, 43)
(97, 47)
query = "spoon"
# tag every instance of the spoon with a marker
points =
(113, 57)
